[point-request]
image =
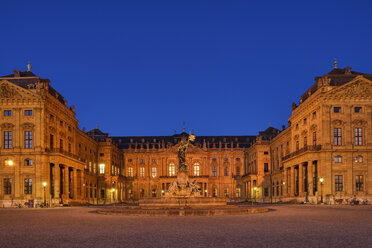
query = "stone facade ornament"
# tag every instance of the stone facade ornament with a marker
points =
(8, 92)
(313, 127)
(359, 122)
(7, 126)
(27, 125)
(338, 122)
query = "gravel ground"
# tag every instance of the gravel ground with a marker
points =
(284, 226)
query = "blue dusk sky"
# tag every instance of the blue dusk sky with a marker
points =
(223, 67)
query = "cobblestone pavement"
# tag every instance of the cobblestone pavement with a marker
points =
(284, 226)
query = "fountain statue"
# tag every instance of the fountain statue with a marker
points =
(183, 188)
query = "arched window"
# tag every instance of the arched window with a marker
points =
(338, 159)
(196, 169)
(358, 159)
(153, 192)
(214, 192)
(172, 169)
(226, 192)
(153, 171)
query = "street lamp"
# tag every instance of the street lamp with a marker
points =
(321, 189)
(44, 185)
(206, 192)
(9, 162)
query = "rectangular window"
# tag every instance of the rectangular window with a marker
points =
(338, 159)
(337, 134)
(28, 162)
(226, 171)
(337, 109)
(305, 121)
(28, 186)
(28, 112)
(358, 136)
(238, 170)
(130, 172)
(196, 170)
(266, 167)
(7, 113)
(172, 170)
(266, 153)
(357, 109)
(359, 183)
(305, 141)
(153, 171)
(102, 168)
(61, 144)
(314, 115)
(51, 141)
(297, 145)
(314, 138)
(214, 171)
(7, 186)
(8, 140)
(338, 183)
(142, 171)
(69, 147)
(28, 139)
(266, 191)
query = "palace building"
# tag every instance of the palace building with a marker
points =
(325, 153)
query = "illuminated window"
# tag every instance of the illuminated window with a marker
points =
(172, 169)
(196, 169)
(359, 159)
(130, 172)
(338, 183)
(359, 183)
(142, 171)
(153, 171)
(102, 168)
(226, 192)
(28, 186)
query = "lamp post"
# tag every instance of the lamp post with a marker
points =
(255, 191)
(10, 163)
(44, 185)
(321, 189)
(206, 193)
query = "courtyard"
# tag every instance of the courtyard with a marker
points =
(282, 226)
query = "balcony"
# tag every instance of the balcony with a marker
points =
(66, 153)
(302, 150)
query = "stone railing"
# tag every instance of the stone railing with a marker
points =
(302, 150)
(66, 153)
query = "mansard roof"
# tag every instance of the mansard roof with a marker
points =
(336, 77)
(211, 141)
(28, 80)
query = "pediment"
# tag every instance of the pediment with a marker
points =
(8, 90)
(358, 88)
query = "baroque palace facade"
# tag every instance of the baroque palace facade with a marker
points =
(325, 153)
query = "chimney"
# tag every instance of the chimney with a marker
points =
(283, 127)
(17, 73)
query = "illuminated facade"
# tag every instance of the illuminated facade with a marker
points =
(325, 153)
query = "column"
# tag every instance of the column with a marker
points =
(300, 180)
(293, 181)
(310, 178)
(65, 183)
(56, 181)
(74, 183)
(82, 196)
